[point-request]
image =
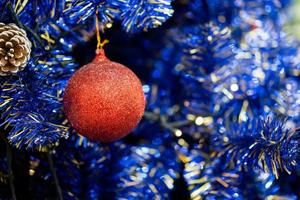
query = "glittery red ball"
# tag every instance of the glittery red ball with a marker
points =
(104, 100)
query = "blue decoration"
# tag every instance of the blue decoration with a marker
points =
(136, 15)
(210, 180)
(81, 164)
(143, 14)
(31, 101)
(221, 80)
(260, 144)
(145, 172)
(107, 10)
(205, 49)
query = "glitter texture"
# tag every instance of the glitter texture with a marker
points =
(104, 100)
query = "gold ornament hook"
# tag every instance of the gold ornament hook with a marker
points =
(100, 44)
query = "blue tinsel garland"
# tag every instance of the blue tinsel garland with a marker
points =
(221, 83)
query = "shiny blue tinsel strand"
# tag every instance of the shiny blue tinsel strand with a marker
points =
(136, 15)
(144, 14)
(267, 145)
(145, 172)
(210, 180)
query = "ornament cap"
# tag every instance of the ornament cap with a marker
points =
(100, 55)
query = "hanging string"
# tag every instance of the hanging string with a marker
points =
(100, 44)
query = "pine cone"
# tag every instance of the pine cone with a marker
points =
(15, 49)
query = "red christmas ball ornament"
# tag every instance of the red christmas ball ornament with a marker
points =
(104, 100)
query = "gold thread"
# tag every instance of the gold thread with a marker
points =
(100, 44)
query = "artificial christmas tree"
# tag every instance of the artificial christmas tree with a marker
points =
(221, 82)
